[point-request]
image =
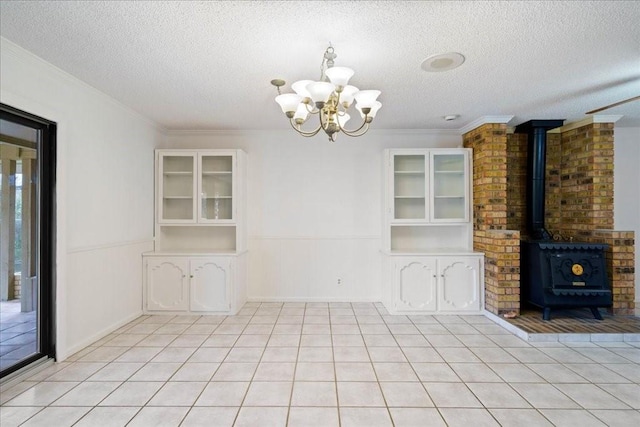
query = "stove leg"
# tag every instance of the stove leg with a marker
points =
(596, 313)
(546, 313)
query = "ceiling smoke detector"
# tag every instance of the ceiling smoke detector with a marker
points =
(442, 62)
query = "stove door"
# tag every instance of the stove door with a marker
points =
(578, 271)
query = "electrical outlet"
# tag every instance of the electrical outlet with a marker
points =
(339, 282)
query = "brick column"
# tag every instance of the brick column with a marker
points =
(587, 179)
(490, 235)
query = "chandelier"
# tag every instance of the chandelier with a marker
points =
(329, 99)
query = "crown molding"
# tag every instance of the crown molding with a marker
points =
(596, 118)
(483, 121)
(606, 118)
(287, 131)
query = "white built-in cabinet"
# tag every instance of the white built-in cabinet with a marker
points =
(429, 263)
(199, 260)
(436, 283)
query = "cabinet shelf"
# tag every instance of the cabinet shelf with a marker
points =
(205, 173)
(178, 173)
(409, 172)
(409, 197)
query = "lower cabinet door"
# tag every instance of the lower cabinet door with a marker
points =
(415, 284)
(167, 284)
(459, 287)
(210, 284)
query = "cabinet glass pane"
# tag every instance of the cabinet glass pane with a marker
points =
(448, 186)
(449, 208)
(406, 208)
(217, 187)
(177, 187)
(448, 163)
(409, 187)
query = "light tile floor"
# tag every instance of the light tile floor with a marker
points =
(329, 364)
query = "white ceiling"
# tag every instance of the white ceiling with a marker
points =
(207, 65)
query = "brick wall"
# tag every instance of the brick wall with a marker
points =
(587, 179)
(490, 220)
(516, 181)
(553, 183)
(501, 269)
(620, 258)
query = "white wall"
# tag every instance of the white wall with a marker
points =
(627, 188)
(314, 208)
(104, 195)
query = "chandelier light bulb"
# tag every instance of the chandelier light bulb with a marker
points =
(300, 87)
(372, 113)
(301, 114)
(339, 76)
(343, 119)
(346, 96)
(320, 91)
(366, 98)
(289, 103)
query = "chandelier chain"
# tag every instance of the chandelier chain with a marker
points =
(327, 62)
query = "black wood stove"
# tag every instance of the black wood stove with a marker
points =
(556, 274)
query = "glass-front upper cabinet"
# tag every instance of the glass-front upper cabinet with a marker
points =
(177, 179)
(429, 185)
(196, 187)
(449, 186)
(409, 187)
(216, 187)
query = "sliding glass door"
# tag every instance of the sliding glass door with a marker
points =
(27, 239)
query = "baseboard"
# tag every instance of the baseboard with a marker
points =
(60, 357)
(311, 299)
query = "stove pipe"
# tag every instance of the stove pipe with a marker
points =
(536, 131)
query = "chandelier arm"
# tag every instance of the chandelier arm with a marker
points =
(354, 134)
(355, 131)
(312, 110)
(303, 133)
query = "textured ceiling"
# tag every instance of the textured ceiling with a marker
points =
(207, 65)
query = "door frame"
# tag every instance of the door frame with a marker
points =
(46, 243)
